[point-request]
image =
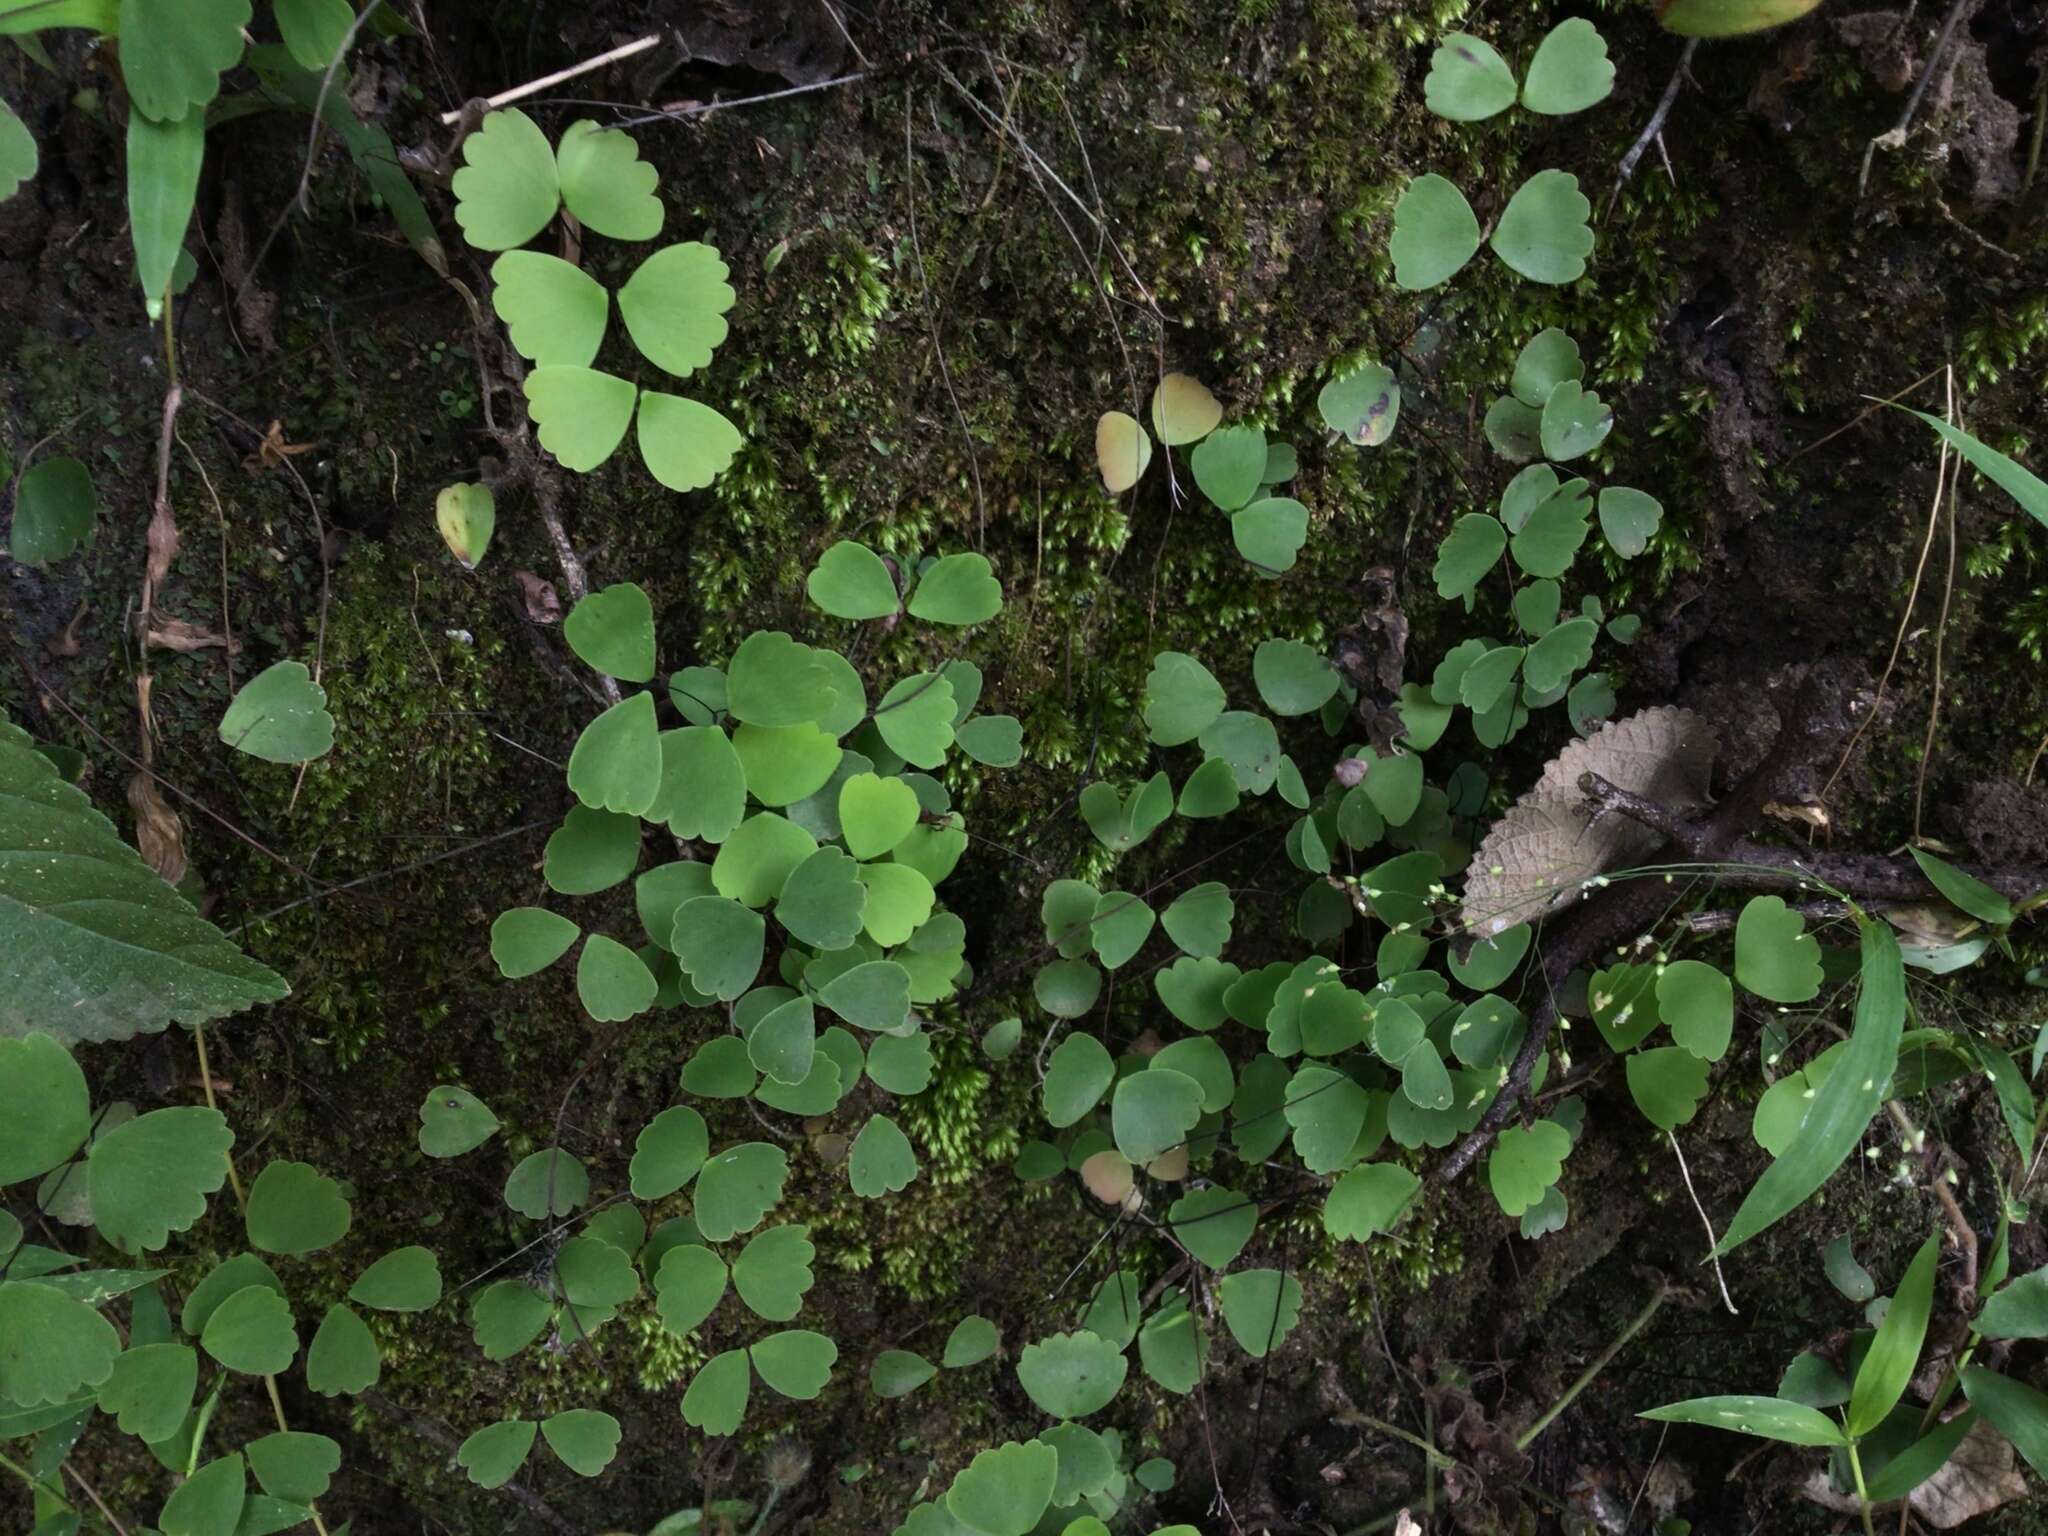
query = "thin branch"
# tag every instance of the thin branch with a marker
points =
(1713, 1242)
(1655, 126)
(535, 87)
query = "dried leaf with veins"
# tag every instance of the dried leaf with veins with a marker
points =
(1539, 856)
(178, 635)
(159, 835)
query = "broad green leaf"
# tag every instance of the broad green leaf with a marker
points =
(2019, 1310)
(1570, 71)
(685, 443)
(1921, 1460)
(916, 717)
(594, 1277)
(1260, 1307)
(612, 982)
(900, 900)
(150, 1389)
(506, 1316)
(553, 312)
(581, 413)
(1211, 791)
(1369, 1199)
(716, 1401)
(2017, 481)
(1326, 1111)
(674, 306)
(605, 183)
(1549, 540)
(1172, 1346)
(1005, 1489)
(688, 1286)
(1249, 743)
(738, 1187)
(295, 1208)
(668, 1153)
(616, 764)
(55, 508)
(1077, 1074)
(1153, 1111)
(972, 1341)
(404, 1280)
(1121, 823)
(1628, 518)
(547, 1184)
(1491, 960)
(774, 680)
(18, 155)
(173, 52)
(1213, 1223)
(506, 188)
(1964, 891)
(527, 940)
(1071, 1375)
(958, 590)
(784, 1043)
(1229, 465)
(1067, 989)
(703, 784)
(994, 741)
(612, 631)
(150, 1177)
(209, 1502)
(313, 30)
(1182, 698)
(876, 814)
(495, 1452)
(1468, 80)
(1193, 990)
(1525, 1162)
(1894, 1353)
(280, 715)
(1183, 410)
(1487, 681)
(45, 1110)
(720, 1069)
(899, 1372)
(1199, 920)
(795, 1362)
(226, 1278)
(784, 764)
(1122, 451)
(1843, 1106)
(873, 995)
(822, 900)
(591, 851)
(1667, 1084)
(1291, 678)
(251, 1332)
(1729, 18)
(719, 943)
(1121, 924)
(1575, 422)
(584, 1438)
(294, 1465)
(1435, 233)
(1770, 1418)
(1543, 232)
(1362, 406)
(901, 1064)
(454, 1121)
(1550, 358)
(1698, 1002)
(881, 1161)
(343, 1358)
(1468, 552)
(1270, 533)
(851, 581)
(1513, 430)
(56, 1348)
(1775, 957)
(2015, 1410)
(1559, 655)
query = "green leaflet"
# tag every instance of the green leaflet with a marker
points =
(163, 183)
(1844, 1105)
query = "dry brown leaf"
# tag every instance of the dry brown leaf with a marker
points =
(66, 642)
(159, 835)
(542, 605)
(1539, 856)
(1109, 1178)
(177, 635)
(273, 450)
(1981, 1476)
